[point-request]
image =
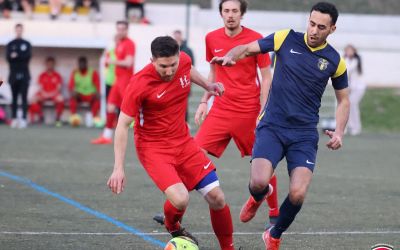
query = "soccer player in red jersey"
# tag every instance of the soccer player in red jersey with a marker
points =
(125, 53)
(245, 97)
(50, 83)
(84, 85)
(157, 98)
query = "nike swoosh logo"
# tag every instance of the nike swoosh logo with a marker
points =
(206, 166)
(294, 52)
(160, 95)
(309, 162)
(218, 50)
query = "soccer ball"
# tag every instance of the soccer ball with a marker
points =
(75, 120)
(181, 243)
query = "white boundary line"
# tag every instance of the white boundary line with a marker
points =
(200, 233)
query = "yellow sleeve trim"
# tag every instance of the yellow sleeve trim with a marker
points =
(279, 37)
(261, 115)
(340, 69)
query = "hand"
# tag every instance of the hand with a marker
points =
(224, 61)
(116, 182)
(13, 54)
(336, 140)
(201, 113)
(216, 89)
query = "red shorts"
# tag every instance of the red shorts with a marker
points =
(40, 97)
(216, 132)
(117, 91)
(185, 164)
(85, 98)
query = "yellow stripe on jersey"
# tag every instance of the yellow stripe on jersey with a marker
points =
(340, 69)
(279, 37)
(261, 115)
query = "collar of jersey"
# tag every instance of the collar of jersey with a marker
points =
(314, 49)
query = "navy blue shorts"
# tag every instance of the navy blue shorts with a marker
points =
(299, 146)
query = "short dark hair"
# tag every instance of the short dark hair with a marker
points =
(164, 46)
(123, 22)
(243, 5)
(19, 25)
(327, 8)
(50, 59)
(82, 59)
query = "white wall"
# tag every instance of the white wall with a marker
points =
(377, 37)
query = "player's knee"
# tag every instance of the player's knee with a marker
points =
(216, 199)
(258, 184)
(180, 202)
(297, 195)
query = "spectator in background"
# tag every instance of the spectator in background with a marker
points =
(357, 88)
(18, 53)
(183, 44)
(26, 6)
(136, 4)
(110, 68)
(84, 86)
(50, 84)
(91, 4)
(124, 68)
(5, 8)
(55, 8)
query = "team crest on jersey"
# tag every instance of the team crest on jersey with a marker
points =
(322, 64)
(184, 81)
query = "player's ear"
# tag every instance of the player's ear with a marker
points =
(333, 28)
(152, 59)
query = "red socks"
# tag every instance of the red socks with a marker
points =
(221, 221)
(272, 200)
(110, 120)
(172, 217)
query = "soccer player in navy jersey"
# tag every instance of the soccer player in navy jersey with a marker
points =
(288, 125)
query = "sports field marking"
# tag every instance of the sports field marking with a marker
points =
(203, 233)
(88, 210)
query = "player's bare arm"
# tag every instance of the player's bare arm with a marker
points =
(237, 53)
(126, 63)
(216, 89)
(201, 111)
(342, 115)
(116, 182)
(265, 86)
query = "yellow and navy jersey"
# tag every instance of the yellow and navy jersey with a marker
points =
(300, 77)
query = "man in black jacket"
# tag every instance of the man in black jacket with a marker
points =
(18, 56)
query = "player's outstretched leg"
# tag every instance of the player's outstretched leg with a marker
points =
(249, 209)
(259, 187)
(174, 209)
(300, 179)
(272, 201)
(221, 218)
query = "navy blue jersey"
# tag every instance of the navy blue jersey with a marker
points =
(300, 77)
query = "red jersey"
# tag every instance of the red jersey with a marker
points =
(159, 107)
(50, 81)
(124, 48)
(242, 90)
